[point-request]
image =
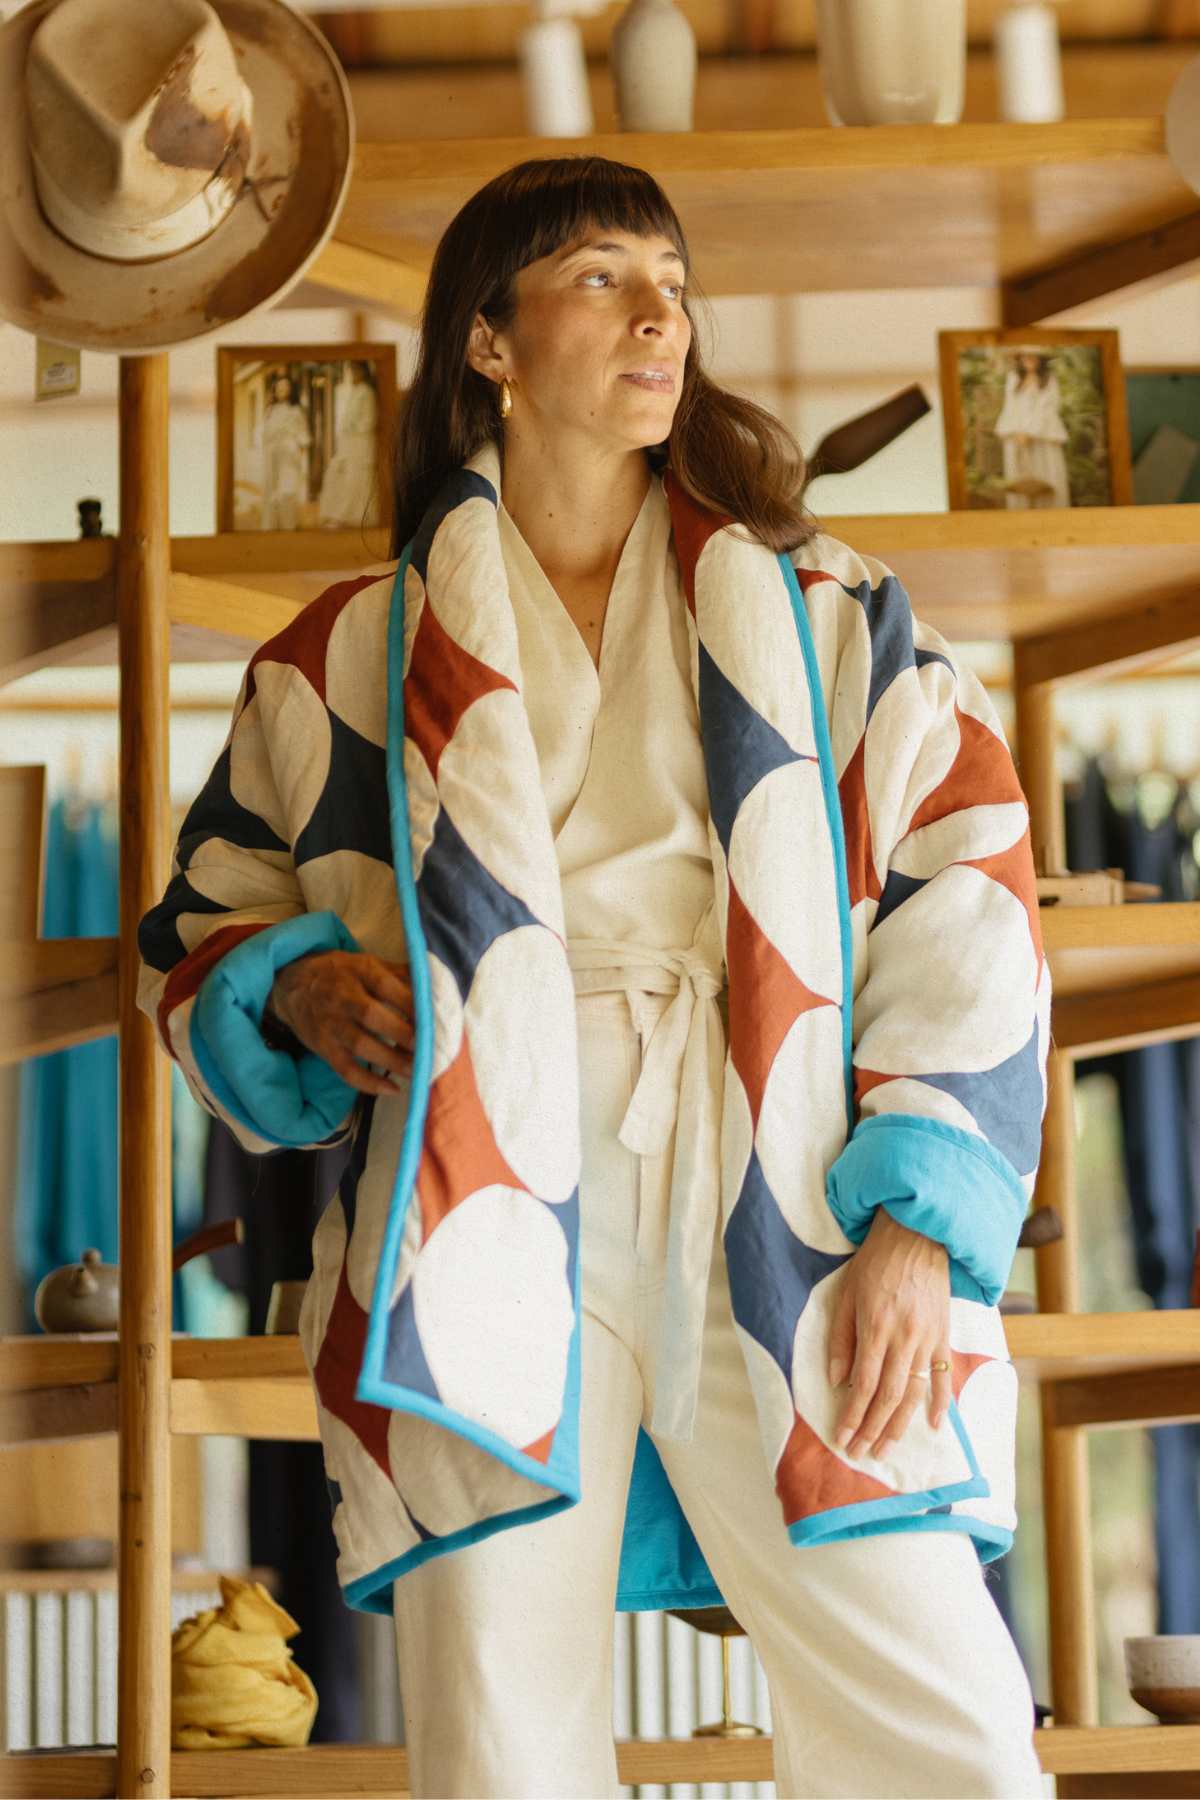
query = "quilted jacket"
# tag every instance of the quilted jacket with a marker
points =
(889, 1001)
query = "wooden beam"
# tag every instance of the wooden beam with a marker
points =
(1156, 630)
(1179, 18)
(54, 598)
(245, 556)
(1131, 1018)
(1147, 260)
(388, 285)
(266, 1408)
(55, 992)
(243, 616)
(1136, 1397)
(45, 1414)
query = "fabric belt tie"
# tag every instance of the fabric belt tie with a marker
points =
(681, 1083)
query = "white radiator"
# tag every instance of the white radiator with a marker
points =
(58, 1659)
(58, 1676)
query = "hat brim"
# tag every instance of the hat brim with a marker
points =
(299, 172)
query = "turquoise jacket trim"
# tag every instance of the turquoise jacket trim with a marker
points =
(294, 1102)
(920, 1170)
(990, 1541)
(833, 813)
(373, 1593)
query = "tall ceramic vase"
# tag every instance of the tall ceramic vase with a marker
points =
(652, 54)
(892, 62)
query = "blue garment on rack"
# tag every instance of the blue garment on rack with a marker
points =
(1158, 1087)
(67, 1169)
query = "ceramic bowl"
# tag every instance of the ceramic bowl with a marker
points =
(1164, 1676)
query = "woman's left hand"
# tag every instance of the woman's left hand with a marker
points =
(892, 1316)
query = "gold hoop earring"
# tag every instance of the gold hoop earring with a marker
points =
(505, 397)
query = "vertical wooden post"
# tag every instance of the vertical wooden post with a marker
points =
(1066, 1484)
(144, 1348)
(1036, 748)
(1066, 1488)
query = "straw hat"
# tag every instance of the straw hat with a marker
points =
(165, 168)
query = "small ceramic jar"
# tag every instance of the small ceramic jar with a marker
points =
(893, 62)
(652, 54)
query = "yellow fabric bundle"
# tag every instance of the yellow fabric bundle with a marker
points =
(233, 1680)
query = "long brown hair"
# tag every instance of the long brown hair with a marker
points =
(728, 453)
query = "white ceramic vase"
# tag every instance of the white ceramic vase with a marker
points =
(893, 62)
(652, 55)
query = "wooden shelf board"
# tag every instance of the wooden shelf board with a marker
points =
(833, 209)
(57, 599)
(1007, 575)
(1117, 1749)
(55, 992)
(1058, 1346)
(1101, 949)
(260, 1386)
(988, 575)
(383, 1768)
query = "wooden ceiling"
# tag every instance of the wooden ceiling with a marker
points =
(389, 37)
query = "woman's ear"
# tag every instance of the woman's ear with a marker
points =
(482, 353)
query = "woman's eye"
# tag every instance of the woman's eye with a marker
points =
(674, 285)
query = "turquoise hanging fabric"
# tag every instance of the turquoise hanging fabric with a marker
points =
(67, 1167)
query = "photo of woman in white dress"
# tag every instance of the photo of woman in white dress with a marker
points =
(1033, 435)
(286, 438)
(349, 494)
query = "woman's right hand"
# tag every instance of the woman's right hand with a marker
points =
(345, 1005)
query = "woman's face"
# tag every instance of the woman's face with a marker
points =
(282, 388)
(587, 316)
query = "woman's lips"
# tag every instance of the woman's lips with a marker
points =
(659, 384)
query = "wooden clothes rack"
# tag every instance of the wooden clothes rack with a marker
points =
(1078, 593)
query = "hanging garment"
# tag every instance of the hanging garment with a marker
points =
(876, 909)
(67, 1167)
(1160, 1129)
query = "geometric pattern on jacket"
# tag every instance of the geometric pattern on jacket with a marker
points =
(889, 1003)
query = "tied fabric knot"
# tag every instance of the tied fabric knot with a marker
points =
(655, 1103)
(680, 1085)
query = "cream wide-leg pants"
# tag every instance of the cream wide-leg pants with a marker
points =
(889, 1667)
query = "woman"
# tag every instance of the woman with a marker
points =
(695, 1082)
(286, 438)
(348, 490)
(1031, 430)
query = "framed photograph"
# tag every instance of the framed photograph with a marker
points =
(304, 436)
(1034, 418)
(1164, 435)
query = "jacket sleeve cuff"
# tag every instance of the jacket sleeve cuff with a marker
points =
(936, 1179)
(292, 1100)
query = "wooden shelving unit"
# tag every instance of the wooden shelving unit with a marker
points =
(1049, 215)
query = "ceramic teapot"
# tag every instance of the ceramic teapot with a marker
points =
(86, 1296)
